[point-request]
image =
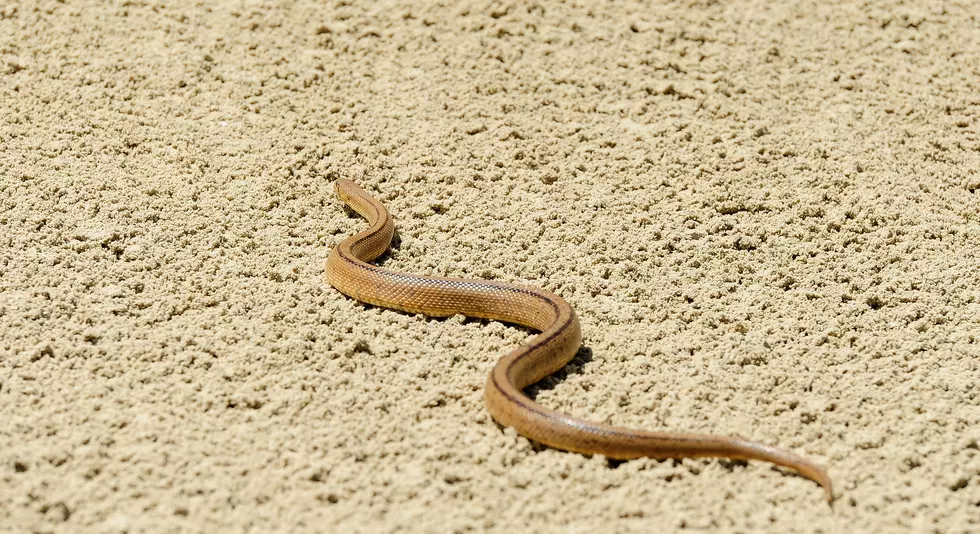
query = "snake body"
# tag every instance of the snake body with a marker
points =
(348, 270)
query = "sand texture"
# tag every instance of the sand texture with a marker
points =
(767, 215)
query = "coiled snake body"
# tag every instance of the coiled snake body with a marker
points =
(348, 271)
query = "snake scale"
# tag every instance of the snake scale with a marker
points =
(348, 269)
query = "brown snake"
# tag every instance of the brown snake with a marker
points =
(559, 340)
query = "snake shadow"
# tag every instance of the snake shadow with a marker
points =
(573, 367)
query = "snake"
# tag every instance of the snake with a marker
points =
(349, 270)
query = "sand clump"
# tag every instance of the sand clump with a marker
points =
(767, 216)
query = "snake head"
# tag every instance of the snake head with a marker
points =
(346, 189)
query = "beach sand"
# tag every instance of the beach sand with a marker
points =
(767, 215)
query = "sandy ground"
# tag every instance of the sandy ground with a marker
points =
(766, 214)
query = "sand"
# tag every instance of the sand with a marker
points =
(767, 216)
